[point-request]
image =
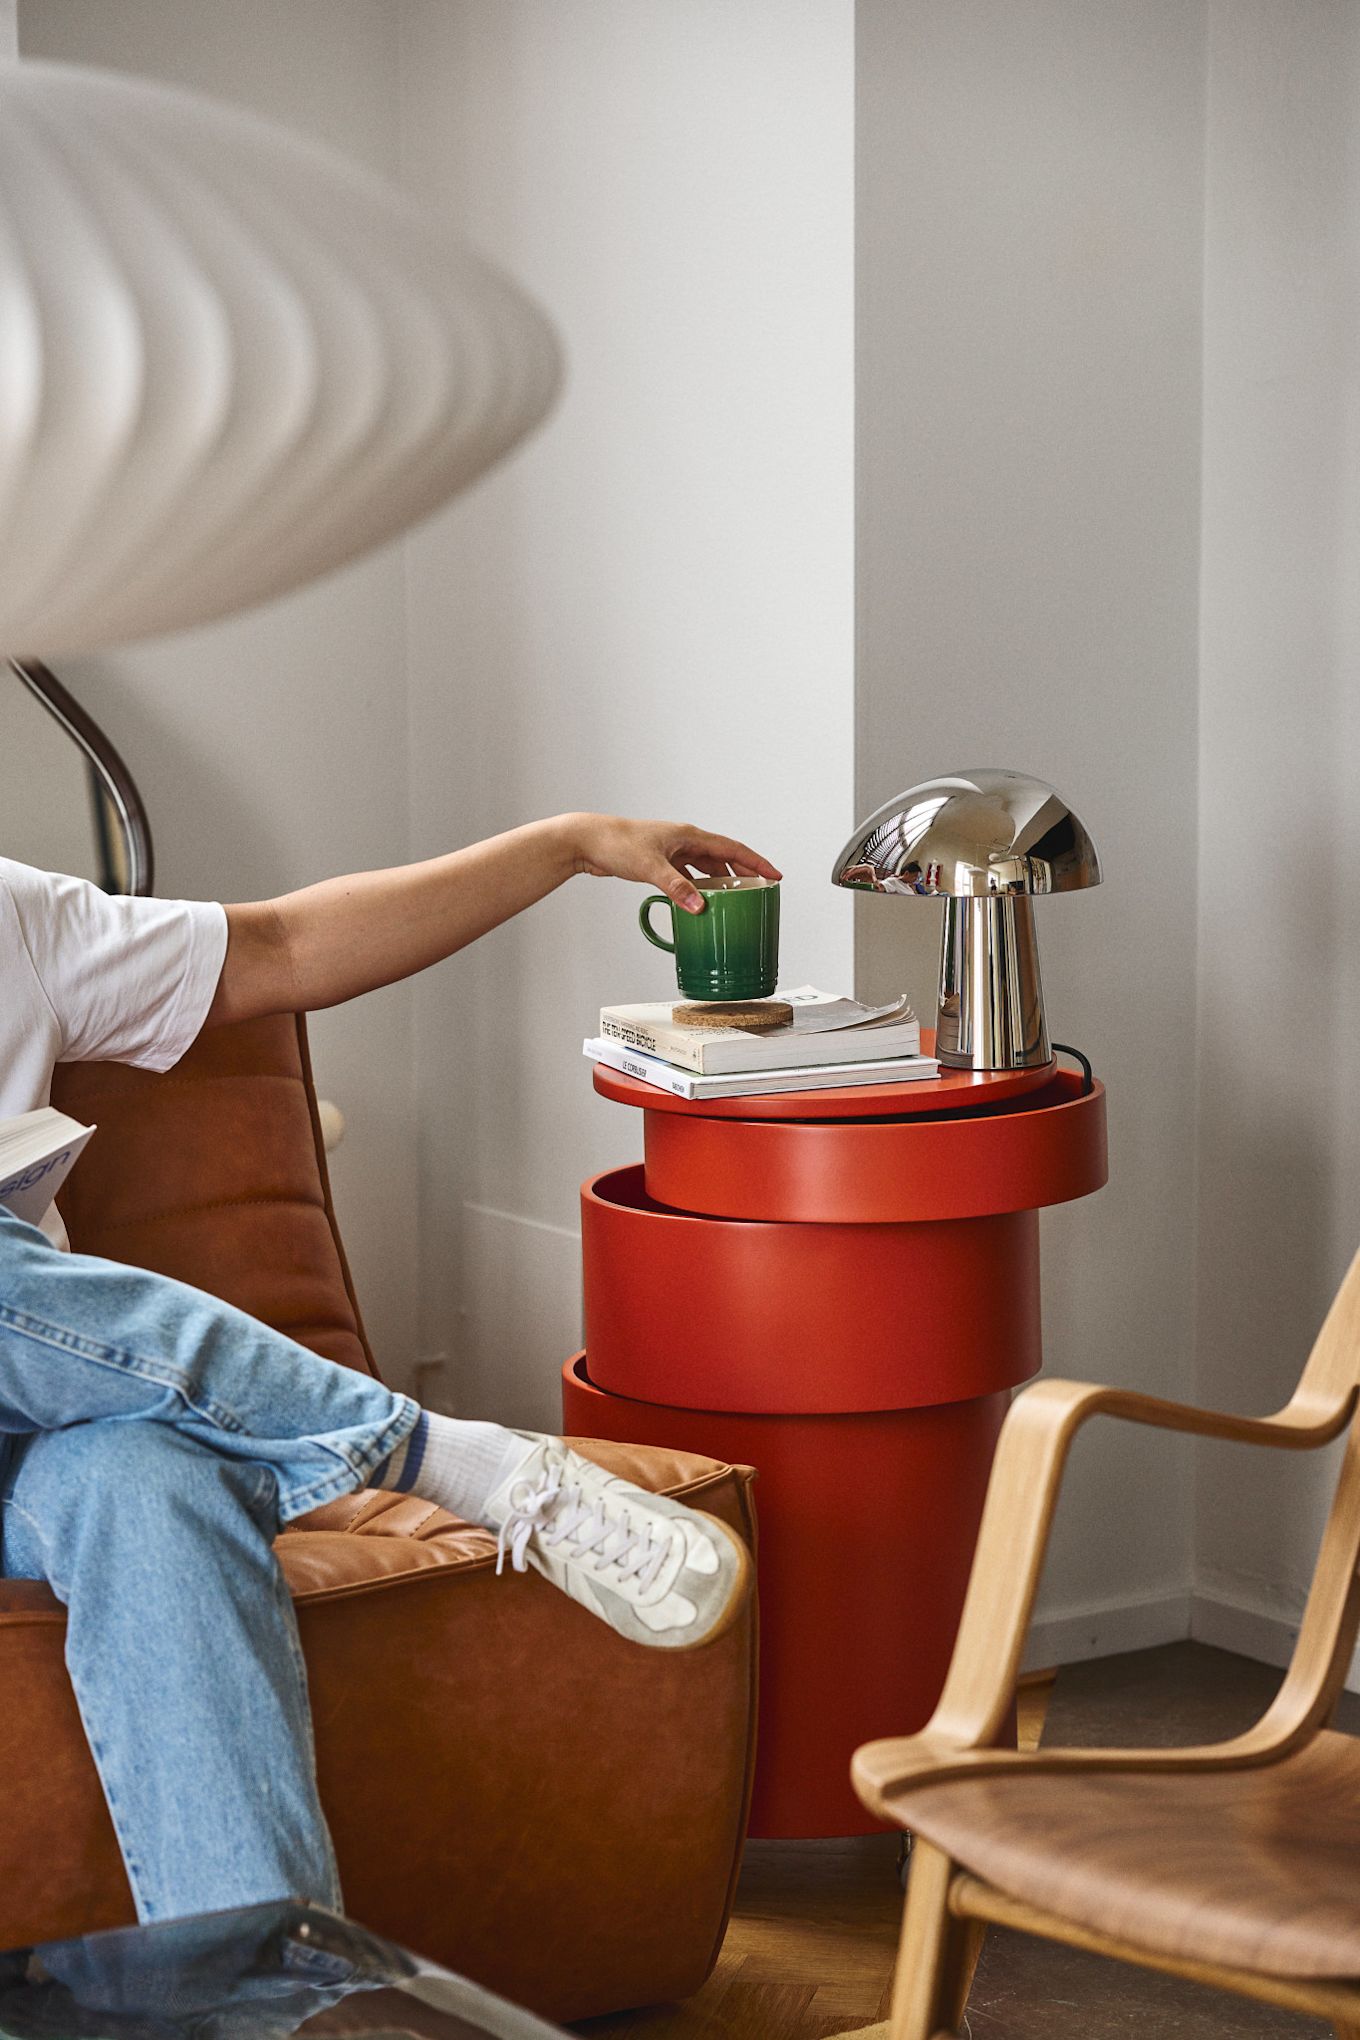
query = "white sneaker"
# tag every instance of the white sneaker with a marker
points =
(655, 1571)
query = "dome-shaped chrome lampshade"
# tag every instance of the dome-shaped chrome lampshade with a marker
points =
(985, 841)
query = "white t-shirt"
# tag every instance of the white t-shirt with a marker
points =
(90, 976)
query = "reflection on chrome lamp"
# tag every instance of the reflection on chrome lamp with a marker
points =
(985, 842)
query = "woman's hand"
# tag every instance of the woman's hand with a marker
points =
(663, 854)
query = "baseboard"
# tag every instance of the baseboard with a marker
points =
(1236, 1626)
(1105, 1628)
(1252, 1632)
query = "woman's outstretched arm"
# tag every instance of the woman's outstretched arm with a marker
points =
(332, 941)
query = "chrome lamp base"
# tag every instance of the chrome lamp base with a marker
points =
(991, 1013)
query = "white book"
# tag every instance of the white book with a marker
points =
(651, 1069)
(825, 1029)
(38, 1151)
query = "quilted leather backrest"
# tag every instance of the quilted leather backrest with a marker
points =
(215, 1173)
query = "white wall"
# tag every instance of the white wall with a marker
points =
(1279, 931)
(1029, 212)
(271, 750)
(650, 611)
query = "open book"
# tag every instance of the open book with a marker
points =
(38, 1151)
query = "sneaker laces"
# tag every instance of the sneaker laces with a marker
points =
(556, 1513)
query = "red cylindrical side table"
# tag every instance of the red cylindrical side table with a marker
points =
(840, 1288)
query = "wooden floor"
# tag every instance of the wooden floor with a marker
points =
(809, 1952)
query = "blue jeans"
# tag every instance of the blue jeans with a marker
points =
(152, 1442)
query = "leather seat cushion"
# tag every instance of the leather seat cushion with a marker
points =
(374, 1537)
(1256, 1869)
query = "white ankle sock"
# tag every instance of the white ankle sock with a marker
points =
(454, 1463)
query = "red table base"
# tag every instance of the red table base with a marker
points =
(844, 1301)
(867, 1525)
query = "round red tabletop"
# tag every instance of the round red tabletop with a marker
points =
(951, 1091)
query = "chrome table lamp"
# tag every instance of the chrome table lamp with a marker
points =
(985, 842)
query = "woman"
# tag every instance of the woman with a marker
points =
(153, 1440)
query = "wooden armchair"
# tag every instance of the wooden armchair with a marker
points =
(1236, 1864)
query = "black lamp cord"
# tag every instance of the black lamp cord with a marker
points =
(1088, 1084)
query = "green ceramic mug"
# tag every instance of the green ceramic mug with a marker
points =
(731, 950)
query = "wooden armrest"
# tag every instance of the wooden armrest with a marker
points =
(882, 1771)
(1021, 1497)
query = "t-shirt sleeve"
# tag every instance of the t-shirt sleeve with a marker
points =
(129, 980)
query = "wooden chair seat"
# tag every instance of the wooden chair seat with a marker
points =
(1255, 1869)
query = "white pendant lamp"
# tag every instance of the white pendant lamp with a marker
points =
(229, 360)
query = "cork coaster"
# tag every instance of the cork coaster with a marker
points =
(753, 1016)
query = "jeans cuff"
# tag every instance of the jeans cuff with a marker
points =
(352, 1473)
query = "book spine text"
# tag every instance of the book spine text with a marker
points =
(666, 1043)
(647, 1069)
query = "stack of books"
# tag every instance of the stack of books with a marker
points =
(829, 1043)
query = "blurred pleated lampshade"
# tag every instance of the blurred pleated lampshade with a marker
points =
(230, 360)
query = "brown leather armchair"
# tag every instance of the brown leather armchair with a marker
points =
(513, 1790)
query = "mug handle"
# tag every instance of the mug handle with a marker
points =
(656, 899)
